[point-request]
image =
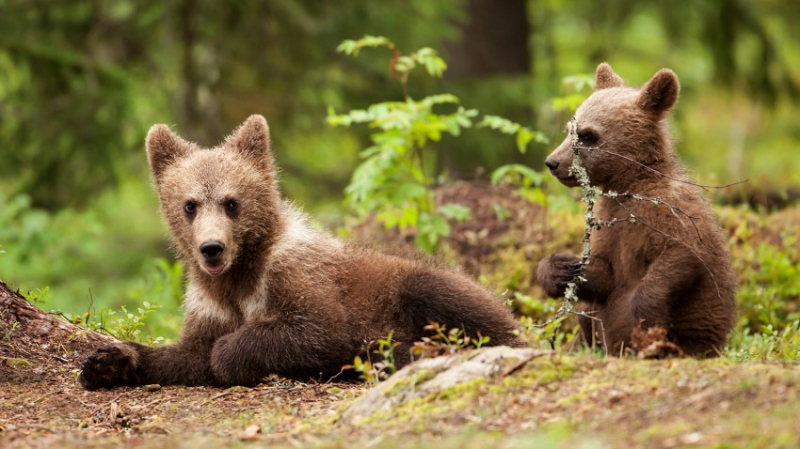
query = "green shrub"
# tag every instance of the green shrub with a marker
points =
(395, 180)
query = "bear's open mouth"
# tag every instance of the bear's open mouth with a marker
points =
(215, 269)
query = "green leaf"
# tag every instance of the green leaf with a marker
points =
(524, 134)
(457, 212)
(430, 101)
(524, 137)
(352, 47)
(404, 64)
(428, 57)
(568, 102)
(430, 230)
(525, 175)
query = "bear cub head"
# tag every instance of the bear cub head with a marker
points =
(220, 202)
(619, 129)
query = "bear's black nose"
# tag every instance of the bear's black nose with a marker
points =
(212, 250)
(551, 164)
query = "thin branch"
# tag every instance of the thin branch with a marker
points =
(589, 194)
(685, 181)
(658, 202)
(594, 318)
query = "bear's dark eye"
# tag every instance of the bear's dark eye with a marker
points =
(190, 207)
(588, 136)
(231, 206)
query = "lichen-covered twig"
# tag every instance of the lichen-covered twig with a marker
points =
(589, 194)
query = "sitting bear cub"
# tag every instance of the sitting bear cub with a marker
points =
(669, 266)
(267, 292)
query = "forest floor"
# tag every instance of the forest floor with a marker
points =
(579, 400)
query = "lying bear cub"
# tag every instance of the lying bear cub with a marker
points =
(668, 267)
(270, 294)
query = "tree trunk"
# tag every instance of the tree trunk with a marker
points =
(494, 40)
(34, 343)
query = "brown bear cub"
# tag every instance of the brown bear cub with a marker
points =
(270, 294)
(668, 266)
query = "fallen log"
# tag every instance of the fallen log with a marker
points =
(34, 343)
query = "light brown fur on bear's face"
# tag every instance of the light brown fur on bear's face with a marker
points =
(236, 209)
(628, 122)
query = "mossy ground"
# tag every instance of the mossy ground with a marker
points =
(578, 400)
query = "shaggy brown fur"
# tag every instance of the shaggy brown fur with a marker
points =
(267, 292)
(670, 268)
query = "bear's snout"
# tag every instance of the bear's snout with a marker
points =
(212, 251)
(559, 162)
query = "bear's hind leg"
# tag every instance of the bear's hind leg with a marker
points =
(428, 295)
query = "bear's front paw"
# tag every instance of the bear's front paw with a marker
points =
(555, 272)
(232, 364)
(110, 366)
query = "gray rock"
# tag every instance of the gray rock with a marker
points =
(431, 376)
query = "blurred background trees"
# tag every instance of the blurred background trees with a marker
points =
(81, 82)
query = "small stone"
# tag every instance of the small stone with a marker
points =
(691, 438)
(151, 387)
(250, 433)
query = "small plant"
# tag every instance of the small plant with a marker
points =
(127, 324)
(161, 284)
(10, 330)
(552, 335)
(393, 182)
(373, 372)
(769, 344)
(120, 324)
(38, 296)
(441, 342)
(444, 341)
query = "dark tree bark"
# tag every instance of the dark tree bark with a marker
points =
(494, 40)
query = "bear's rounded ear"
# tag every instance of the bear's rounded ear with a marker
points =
(251, 139)
(660, 93)
(164, 148)
(604, 77)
